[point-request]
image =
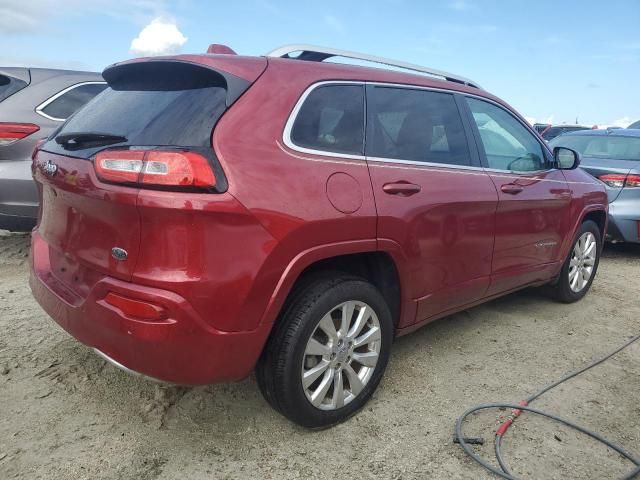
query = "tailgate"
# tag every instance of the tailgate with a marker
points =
(82, 220)
(166, 107)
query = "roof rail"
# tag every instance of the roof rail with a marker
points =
(318, 54)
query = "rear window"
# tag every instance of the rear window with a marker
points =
(64, 105)
(331, 120)
(601, 146)
(9, 86)
(155, 104)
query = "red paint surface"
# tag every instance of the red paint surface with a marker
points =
(222, 265)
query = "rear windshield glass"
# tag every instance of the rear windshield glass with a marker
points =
(601, 146)
(151, 110)
(9, 86)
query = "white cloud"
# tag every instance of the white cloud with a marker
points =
(160, 37)
(623, 122)
(18, 15)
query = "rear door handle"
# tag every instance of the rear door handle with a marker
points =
(511, 188)
(401, 188)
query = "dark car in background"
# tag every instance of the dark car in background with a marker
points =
(552, 131)
(613, 156)
(541, 127)
(33, 103)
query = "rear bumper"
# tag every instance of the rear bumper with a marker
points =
(182, 349)
(18, 196)
(624, 216)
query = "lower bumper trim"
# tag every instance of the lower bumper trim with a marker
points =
(118, 365)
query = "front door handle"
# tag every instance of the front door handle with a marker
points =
(511, 188)
(401, 188)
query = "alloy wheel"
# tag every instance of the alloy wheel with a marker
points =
(341, 355)
(583, 260)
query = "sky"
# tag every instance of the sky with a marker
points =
(554, 61)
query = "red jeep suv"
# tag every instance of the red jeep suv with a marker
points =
(210, 214)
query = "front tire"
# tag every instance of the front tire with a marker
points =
(328, 352)
(579, 269)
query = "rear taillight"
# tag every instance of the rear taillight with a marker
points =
(12, 132)
(616, 180)
(633, 181)
(613, 180)
(164, 168)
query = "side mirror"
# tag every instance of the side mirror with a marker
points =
(566, 159)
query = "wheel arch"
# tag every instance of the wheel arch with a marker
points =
(600, 219)
(361, 258)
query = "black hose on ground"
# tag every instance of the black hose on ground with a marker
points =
(504, 471)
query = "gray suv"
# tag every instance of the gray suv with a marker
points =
(33, 103)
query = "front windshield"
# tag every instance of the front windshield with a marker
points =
(601, 146)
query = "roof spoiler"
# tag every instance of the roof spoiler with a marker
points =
(218, 48)
(172, 74)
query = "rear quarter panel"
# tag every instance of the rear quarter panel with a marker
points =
(286, 190)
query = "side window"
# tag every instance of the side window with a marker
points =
(416, 125)
(9, 86)
(508, 145)
(67, 103)
(332, 120)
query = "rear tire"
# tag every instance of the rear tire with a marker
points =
(579, 269)
(311, 370)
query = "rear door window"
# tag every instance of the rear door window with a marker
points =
(416, 125)
(331, 119)
(64, 105)
(9, 86)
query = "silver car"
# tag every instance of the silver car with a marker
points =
(33, 103)
(613, 156)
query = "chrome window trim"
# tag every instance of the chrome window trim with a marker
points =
(423, 164)
(286, 134)
(39, 109)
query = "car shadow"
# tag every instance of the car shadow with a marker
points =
(620, 250)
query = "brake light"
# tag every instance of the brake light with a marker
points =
(633, 181)
(155, 168)
(613, 180)
(616, 180)
(12, 132)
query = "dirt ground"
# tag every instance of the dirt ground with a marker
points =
(66, 414)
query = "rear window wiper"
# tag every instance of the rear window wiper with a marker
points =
(78, 140)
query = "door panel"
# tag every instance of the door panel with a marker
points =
(532, 217)
(530, 227)
(446, 231)
(431, 197)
